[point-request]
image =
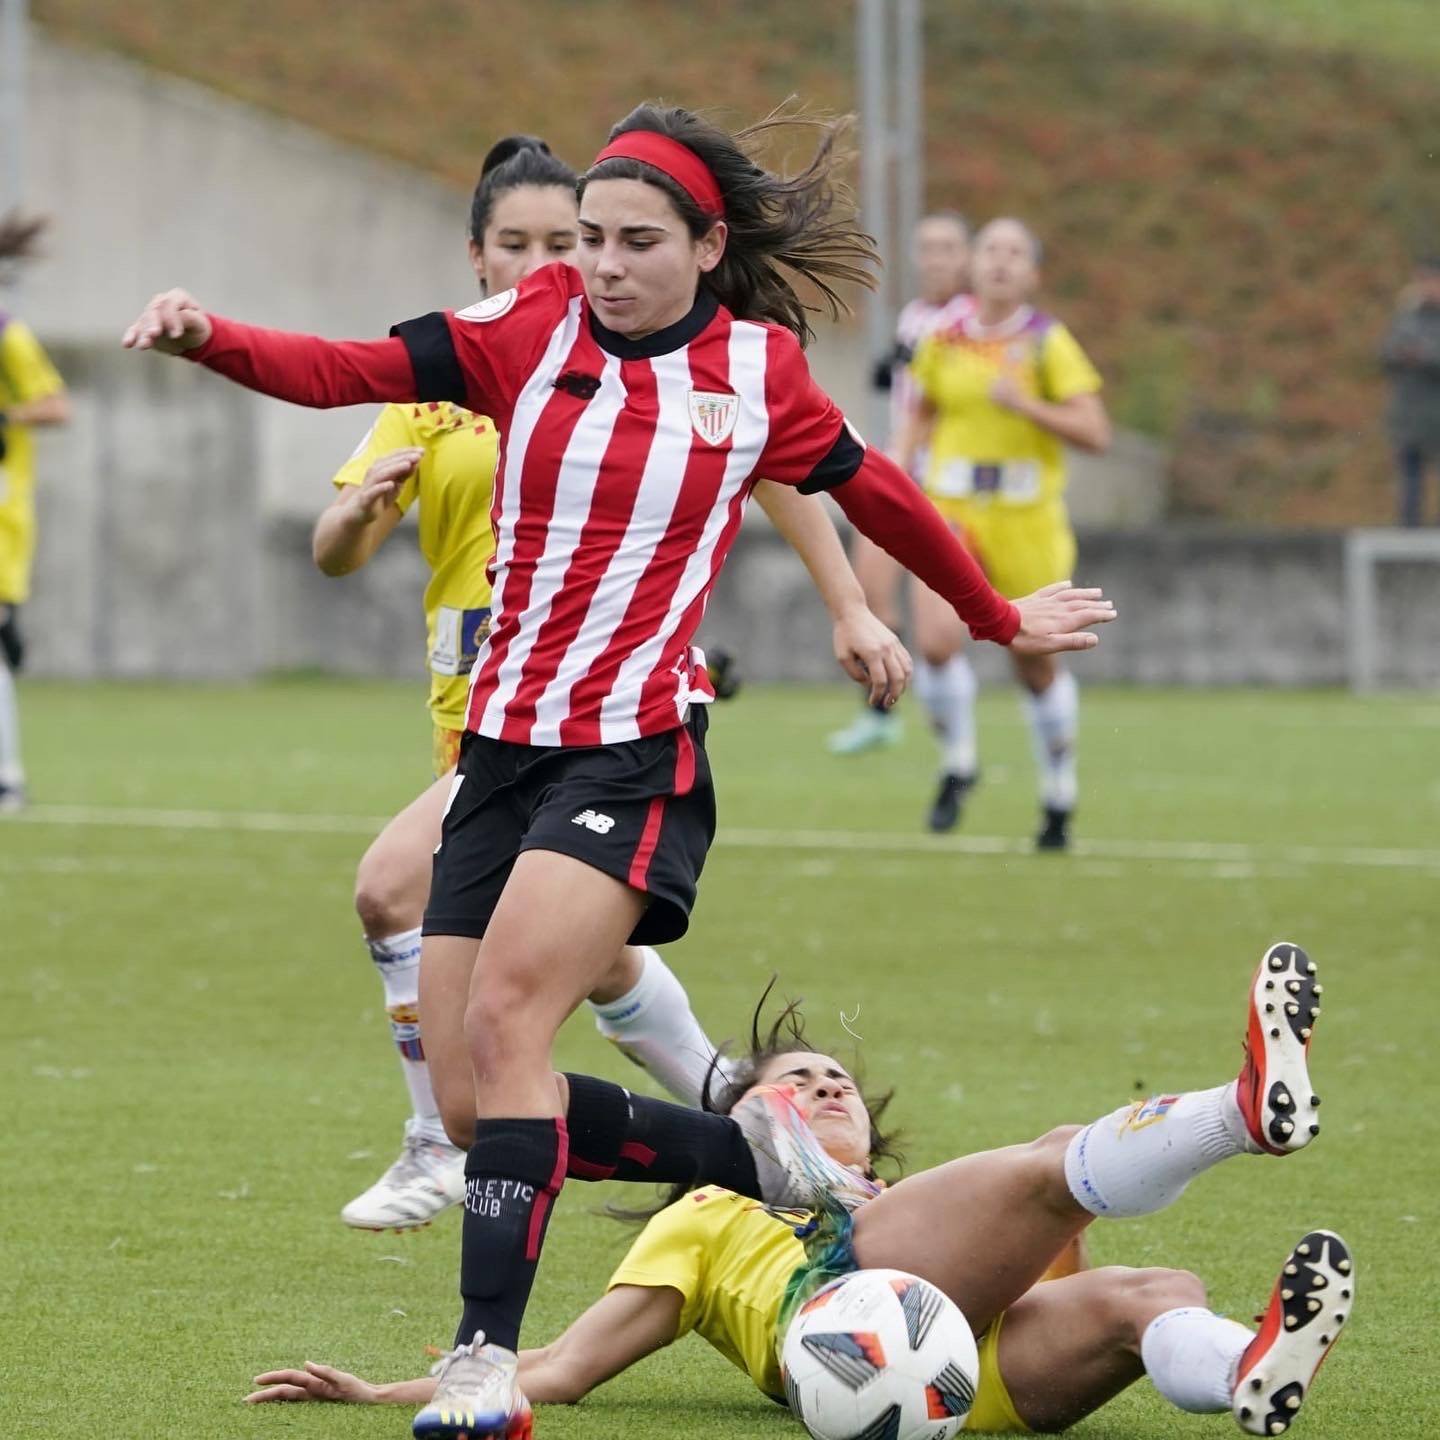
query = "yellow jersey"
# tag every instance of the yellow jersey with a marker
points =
(980, 452)
(733, 1264)
(25, 374)
(453, 483)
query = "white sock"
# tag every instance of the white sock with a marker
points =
(1140, 1158)
(1054, 718)
(12, 772)
(397, 958)
(948, 694)
(654, 1025)
(1191, 1355)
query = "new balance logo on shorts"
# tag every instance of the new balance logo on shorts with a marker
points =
(592, 820)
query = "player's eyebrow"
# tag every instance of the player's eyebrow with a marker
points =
(625, 229)
(834, 1072)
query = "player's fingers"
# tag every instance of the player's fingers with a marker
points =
(1081, 640)
(277, 1392)
(879, 678)
(850, 664)
(1046, 591)
(1089, 593)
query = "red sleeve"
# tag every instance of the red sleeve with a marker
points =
(883, 503)
(804, 421)
(305, 368)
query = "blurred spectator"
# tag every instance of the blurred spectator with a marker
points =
(1411, 357)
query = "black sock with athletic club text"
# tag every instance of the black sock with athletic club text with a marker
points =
(615, 1135)
(513, 1173)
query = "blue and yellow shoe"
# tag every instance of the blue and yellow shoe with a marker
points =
(478, 1397)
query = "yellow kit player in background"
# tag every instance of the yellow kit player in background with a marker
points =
(443, 459)
(31, 393)
(1001, 390)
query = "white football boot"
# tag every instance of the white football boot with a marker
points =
(1274, 1094)
(795, 1170)
(1310, 1303)
(428, 1177)
(478, 1397)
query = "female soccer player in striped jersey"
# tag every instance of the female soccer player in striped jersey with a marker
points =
(443, 457)
(941, 254)
(1001, 388)
(640, 400)
(31, 393)
(984, 1229)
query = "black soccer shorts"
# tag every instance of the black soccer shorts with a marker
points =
(642, 811)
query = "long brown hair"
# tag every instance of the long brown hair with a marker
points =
(779, 225)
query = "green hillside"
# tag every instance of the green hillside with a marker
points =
(1228, 213)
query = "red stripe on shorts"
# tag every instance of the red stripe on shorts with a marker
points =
(649, 839)
(640, 1154)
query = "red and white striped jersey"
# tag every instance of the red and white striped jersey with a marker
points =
(624, 471)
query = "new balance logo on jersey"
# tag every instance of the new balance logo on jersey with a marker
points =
(592, 820)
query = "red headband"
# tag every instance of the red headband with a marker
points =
(670, 158)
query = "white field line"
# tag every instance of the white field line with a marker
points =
(871, 842)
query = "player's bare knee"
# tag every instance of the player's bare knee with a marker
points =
(1045, 1159)
(383, 898)
(1132, 1298)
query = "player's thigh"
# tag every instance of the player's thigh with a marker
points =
(553, 937)
(392, 882)
(447, 964)
(1068, 1346)
(983, 1228)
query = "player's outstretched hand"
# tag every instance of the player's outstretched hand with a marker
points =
(870, 653)
(314, 1382)
(384, 480)
(1055, 619)
(173, 322)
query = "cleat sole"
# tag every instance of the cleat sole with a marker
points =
(1278, 1366)
(1276, 1097)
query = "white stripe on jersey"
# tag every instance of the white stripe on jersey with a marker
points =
(747, 355)
(574, 491)
(655, 500)
(529, 405)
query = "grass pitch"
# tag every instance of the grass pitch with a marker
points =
(198, 1072)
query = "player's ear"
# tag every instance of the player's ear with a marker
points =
(710, 247)
(477, 264)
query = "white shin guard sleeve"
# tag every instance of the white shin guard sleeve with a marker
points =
(1191, 1355)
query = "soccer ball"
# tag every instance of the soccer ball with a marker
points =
(880, 1355)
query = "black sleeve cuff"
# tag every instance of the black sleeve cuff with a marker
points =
(842, 460)
(438, 375)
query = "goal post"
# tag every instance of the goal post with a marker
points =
(1365, 552)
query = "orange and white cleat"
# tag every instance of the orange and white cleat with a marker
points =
(1279, 1107)
(1310, 1305)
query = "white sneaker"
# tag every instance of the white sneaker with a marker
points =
(478, 1397)
(428, 1177)
(1310, 1303)
(795, 1170)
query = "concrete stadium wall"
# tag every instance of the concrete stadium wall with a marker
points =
(1198, 607)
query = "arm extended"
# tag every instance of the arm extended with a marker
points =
(884, 504)
(622, 1327)
(301, 368)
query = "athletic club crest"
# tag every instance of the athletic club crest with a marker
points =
(713, 414)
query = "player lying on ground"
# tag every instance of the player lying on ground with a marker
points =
(984, 1228)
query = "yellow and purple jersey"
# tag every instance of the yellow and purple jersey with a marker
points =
(453, 484)
(26, 374)
(980, 452)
